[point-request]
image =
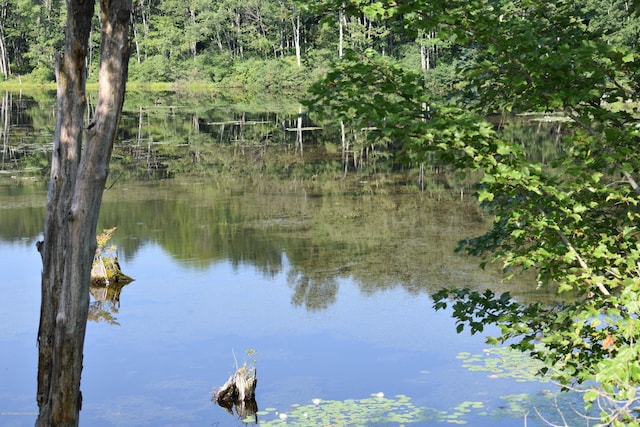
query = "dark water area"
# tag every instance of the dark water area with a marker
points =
(325, 287)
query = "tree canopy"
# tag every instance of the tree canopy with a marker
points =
(572, 221)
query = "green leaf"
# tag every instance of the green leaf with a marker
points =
(485, 195)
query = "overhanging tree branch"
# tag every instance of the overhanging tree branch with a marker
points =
(581, 261)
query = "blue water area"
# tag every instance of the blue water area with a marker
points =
(180, 331)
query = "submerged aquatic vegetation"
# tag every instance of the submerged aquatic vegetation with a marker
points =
(545, 406)
(503, 362)
(374, 410)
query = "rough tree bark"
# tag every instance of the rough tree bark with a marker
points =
(78, 176)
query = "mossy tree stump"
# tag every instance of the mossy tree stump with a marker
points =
(106, 269)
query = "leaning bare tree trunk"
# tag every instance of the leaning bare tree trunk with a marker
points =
(78, 176)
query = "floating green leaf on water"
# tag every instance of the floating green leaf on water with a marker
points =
(375, 410)
(503, 362)
(399, 410)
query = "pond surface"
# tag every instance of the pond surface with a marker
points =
(329, 286)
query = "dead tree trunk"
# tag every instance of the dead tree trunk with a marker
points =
(78, 176)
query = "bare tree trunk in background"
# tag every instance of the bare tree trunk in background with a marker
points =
(78, 176)
(193, 45)
(341, 20)
(136, 39)
(5, 68)
(295, 24)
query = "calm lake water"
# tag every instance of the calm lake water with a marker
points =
(330, 288)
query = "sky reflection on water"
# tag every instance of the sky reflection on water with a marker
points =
(220, 270)
(180, 329)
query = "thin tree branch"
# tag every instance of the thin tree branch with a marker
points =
(632, 182)
(581, 261)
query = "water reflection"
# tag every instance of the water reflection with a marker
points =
(105, 304)
(313, 292)
(214, 136)
(329, 279)
(332, 291)
(381, 242)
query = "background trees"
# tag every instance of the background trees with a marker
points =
(227, 41)
(230, 41)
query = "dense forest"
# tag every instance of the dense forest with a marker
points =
(267, 44)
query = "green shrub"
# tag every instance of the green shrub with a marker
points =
(42, 75)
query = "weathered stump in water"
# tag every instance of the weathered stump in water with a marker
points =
(239, 392)
(106, 269)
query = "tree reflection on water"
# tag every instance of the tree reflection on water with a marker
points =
(106, 303)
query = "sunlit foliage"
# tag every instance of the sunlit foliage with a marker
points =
(574, 220)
